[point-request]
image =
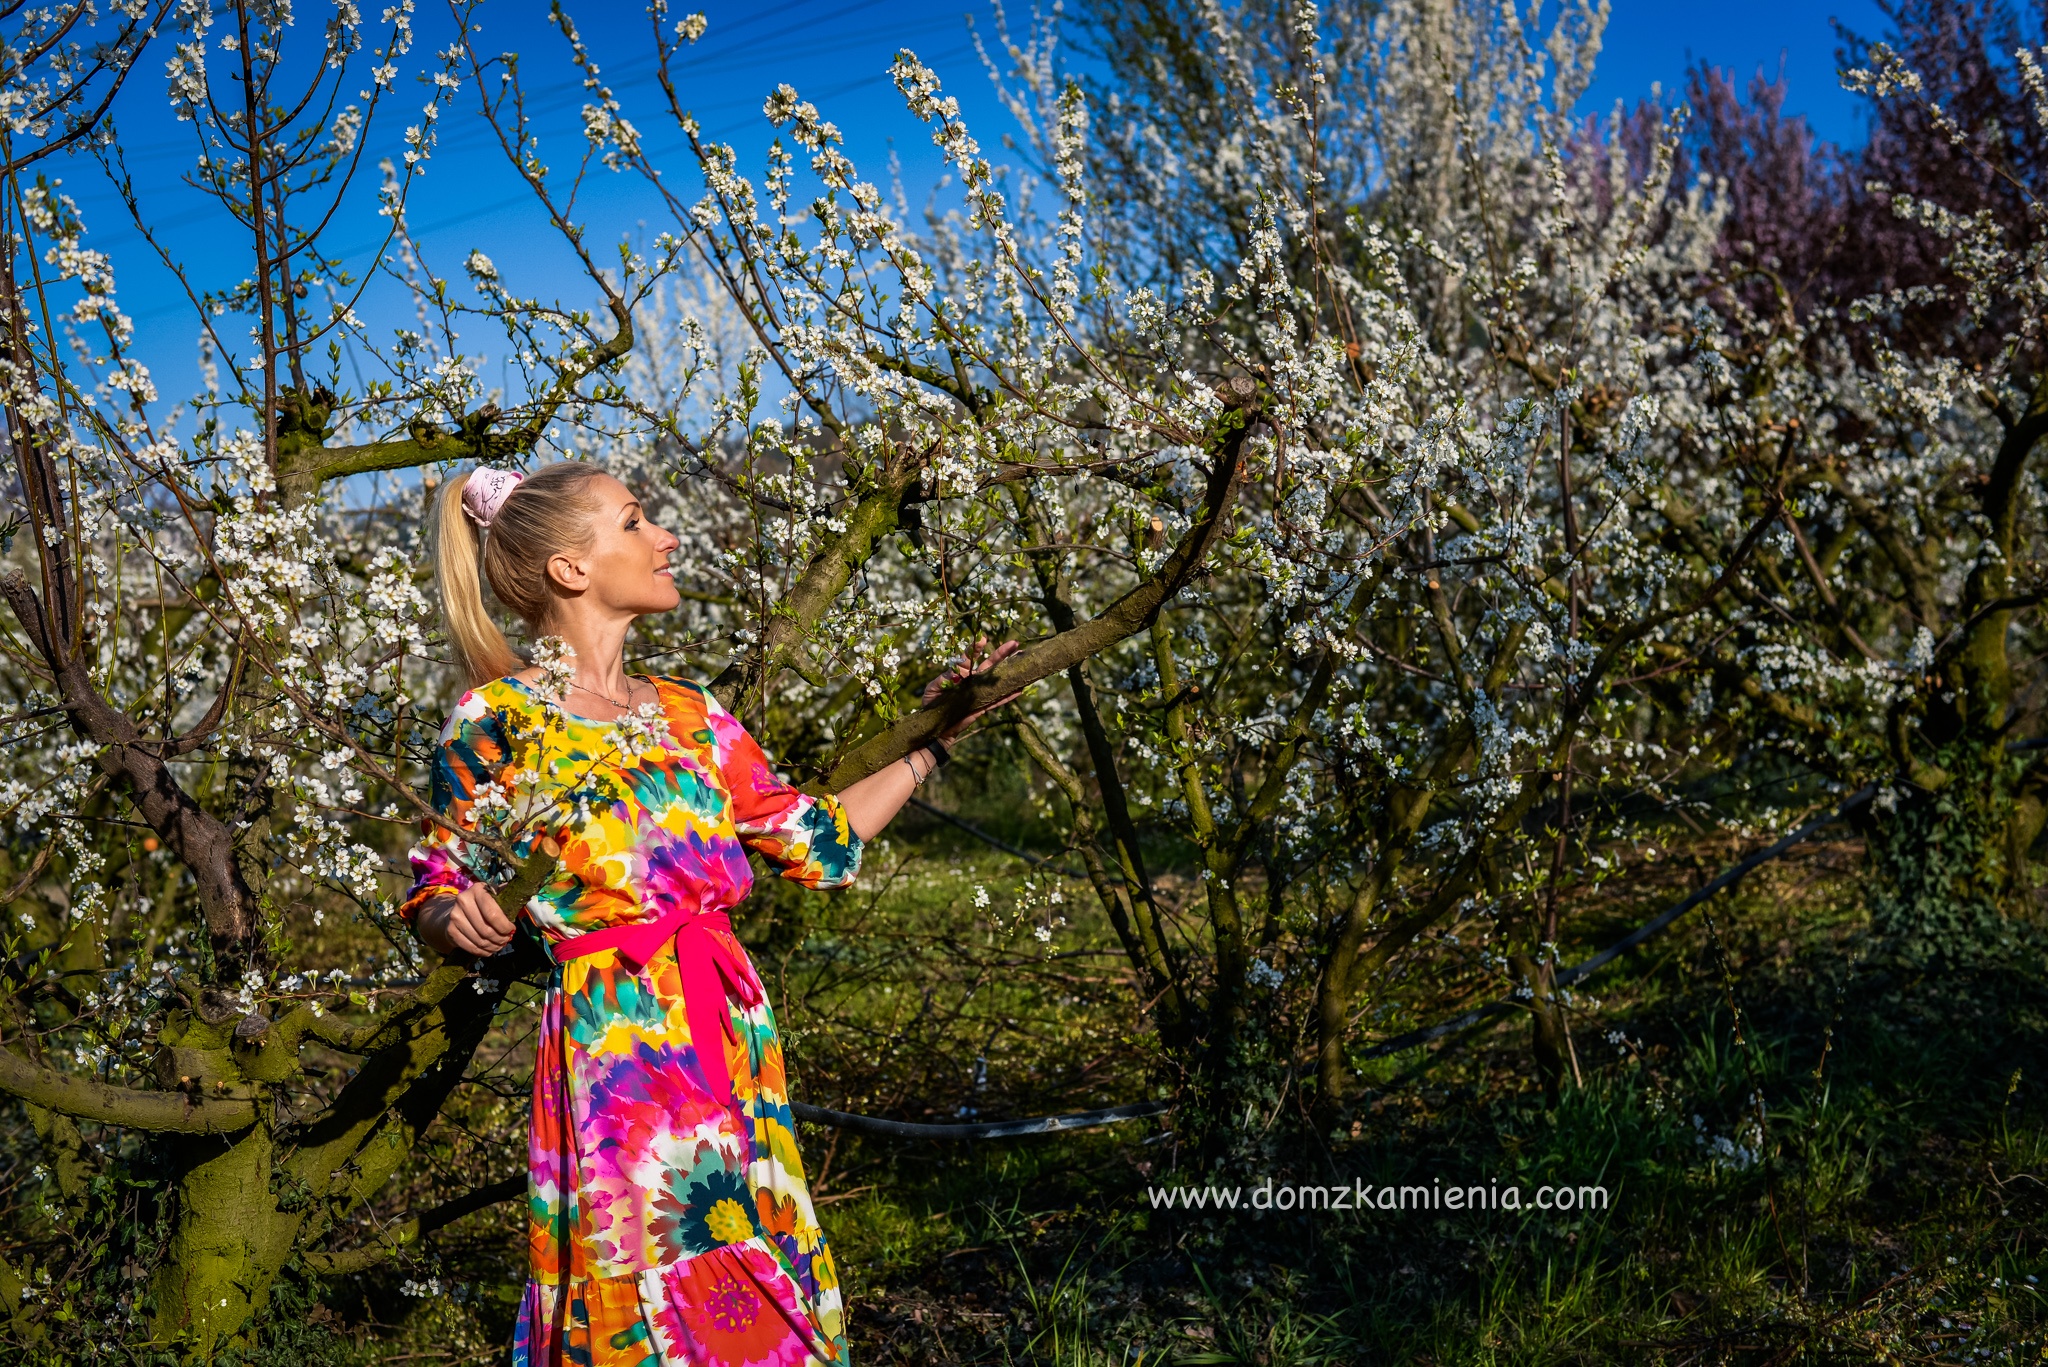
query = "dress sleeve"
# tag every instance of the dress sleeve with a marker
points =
(472, 747)
(807, 837)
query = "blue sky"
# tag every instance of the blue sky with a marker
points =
(836, 52)
(1655, 40)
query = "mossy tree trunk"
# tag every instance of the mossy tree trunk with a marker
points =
(1950, 843)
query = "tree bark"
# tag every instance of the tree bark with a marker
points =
(1124, 618)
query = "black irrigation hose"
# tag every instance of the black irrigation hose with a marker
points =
(1053, 1124)
(1728, 878)
(992, 1129)
(1003, 845)
(1050, 1124)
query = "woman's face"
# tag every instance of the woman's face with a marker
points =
(625, 569)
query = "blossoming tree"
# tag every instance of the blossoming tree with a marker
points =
(225, 676)
(1391, 478)
(1421, 685)
(1891, 634)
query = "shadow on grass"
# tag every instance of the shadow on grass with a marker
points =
(1856, 1175)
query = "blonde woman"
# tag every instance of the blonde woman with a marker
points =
(668, 1218)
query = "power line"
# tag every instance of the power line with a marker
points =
(512, 201)
(644, 70)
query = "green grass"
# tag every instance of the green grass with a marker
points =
(1894, 1214)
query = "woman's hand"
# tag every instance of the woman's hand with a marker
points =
(470, 921)
(872, 802)
(977, 661)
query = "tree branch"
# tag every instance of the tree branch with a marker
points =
(412, 1229)
(199, 839)
(305, 465)
(84, 1099)
(797, 615)
(1124, 618)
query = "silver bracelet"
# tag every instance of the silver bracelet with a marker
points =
(916, 779)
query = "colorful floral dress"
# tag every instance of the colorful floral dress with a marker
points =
(669, 1222)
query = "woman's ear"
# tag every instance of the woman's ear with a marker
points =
(567, 573)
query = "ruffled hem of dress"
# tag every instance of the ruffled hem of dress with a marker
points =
(734, 1306)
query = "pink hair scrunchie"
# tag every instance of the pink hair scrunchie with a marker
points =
(487, 491)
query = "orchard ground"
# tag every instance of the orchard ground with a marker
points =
(1885, 1202)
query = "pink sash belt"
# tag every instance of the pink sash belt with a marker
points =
(710, 970)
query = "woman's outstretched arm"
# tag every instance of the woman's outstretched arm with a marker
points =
(872, 803)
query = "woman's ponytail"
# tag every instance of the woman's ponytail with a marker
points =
(545, 514)
(458, 564)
